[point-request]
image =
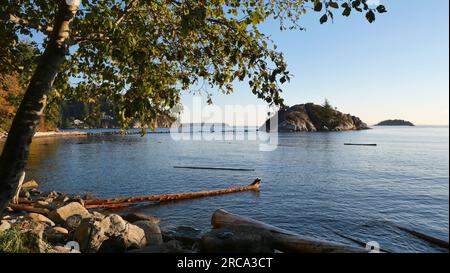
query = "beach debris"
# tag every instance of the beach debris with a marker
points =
(283, 240)
(214, 168)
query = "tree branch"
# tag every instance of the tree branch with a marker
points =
(24, 22)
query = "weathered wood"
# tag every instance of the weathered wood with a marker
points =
(170, 197)
(425, 237)
(283, 240)
(213, 168)
(29, 208)
(19, 187)
(109, 206)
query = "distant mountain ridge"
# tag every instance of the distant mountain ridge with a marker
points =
(311, 117)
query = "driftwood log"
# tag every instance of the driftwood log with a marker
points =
(117, 203)
(282, 240)
(29, 208)
(170, 197)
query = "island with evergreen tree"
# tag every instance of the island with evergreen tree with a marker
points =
(395, 122)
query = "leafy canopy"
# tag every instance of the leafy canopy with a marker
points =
(141, 54)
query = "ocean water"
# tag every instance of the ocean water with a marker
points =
(312, 183)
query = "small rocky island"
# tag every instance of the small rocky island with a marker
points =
(395, 122)
(311, 117)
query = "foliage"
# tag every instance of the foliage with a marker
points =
(13, 241)
(13, 84)
(330, 115)
(141, 54)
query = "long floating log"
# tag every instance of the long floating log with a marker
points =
(283, 240)
(213, 168)
(360, 144)
(425, 237)
(170, 197)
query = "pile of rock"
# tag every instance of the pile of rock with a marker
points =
(69, 226)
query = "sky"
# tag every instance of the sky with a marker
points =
(396, 67)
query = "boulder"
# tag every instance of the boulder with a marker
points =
(57, 235)
(188, 236)
(152, 232)
(135, 216)
(236, 240)
(111, 234)
(32, 184)
(73, 221)
(61, 214)
(4, 225)
(32, 236)
(36, 217)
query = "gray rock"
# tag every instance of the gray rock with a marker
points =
(188, 236)
(57, 235)
(61, 214)
(32, 184)
(152, 232)
(4, 225)
(73, 221)
(236, 240)
(33, 236)
(135, 216)
(40, 218)
(116, 234)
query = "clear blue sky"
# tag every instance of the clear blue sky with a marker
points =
(396, 67)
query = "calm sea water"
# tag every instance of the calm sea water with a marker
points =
(311, 184)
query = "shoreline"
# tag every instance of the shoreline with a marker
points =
(54, 222)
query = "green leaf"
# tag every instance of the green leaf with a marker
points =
(323, 19)
(347, 11)
(318, 6)
(370, 15)
(381, 9)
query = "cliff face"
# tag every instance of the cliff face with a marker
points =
(310, 117)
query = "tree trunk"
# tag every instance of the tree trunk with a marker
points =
(16, 149)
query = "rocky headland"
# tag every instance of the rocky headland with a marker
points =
(311, 117)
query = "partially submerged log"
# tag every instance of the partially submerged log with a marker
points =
(170, 197)
(360, 144)
(425, 237)
(213, 168)
(282, 240)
